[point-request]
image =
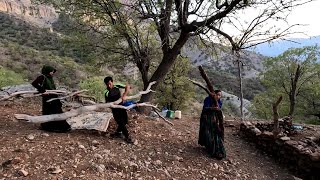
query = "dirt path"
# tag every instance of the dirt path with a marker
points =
(161, 152)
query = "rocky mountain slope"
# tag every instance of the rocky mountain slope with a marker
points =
(221, 59)
(40, 15)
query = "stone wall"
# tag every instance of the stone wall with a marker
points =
(301, 157)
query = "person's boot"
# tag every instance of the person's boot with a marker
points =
(129, 140)
(116, 135)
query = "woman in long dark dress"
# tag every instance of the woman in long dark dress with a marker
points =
(45, 82)
(211, 133)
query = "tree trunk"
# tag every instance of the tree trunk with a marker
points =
(168, 59)
(240, 85)
(293, 92)
(292, 104)
(160, 73)
(158, 76)
(143, 65)
(276, 129)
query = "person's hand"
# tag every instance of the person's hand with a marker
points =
(124, 97)
(45, 93)
(216, 108)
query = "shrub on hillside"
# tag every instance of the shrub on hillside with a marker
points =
(95, 86)
(9, 78)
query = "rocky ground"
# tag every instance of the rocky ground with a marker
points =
(160, 152)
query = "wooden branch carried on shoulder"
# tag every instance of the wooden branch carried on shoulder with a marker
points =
(205, 77)
(210, 89)
(200, 85)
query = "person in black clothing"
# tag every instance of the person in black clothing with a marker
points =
(120, 115)
(45, 82)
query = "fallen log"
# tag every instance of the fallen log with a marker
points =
(72, 112)
(84, 109)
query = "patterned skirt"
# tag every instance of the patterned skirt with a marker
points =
(211, 133)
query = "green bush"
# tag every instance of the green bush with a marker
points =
(176, 92)
(312, 121)
(230, 109)
(95, 86)
(8, 78)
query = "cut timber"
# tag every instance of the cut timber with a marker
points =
(205, 77)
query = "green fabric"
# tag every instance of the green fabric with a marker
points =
(117, 85)
(48, 78)
(211, 133)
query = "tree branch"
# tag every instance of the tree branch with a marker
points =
(205, 77)
(75, 112)
(200, 85)
(234, 45)
(195, 25)
(225, 4)
(70, 95)
(35, 93)
(157, 111)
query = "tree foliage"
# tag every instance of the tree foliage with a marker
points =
(176, 91)
(294, 74)
(95, 86)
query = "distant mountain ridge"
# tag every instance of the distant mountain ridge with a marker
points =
(224, 61)
(277, 47)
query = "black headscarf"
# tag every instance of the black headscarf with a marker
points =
(49, 79)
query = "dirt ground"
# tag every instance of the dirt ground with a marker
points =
(161, 151)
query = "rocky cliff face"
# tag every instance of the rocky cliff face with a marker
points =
(39, 15)
(223, 61)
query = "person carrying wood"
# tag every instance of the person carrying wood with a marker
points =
(211, 132)
(112, 94)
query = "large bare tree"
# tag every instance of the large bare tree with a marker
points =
(172, 22)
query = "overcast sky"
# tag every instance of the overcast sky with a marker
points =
(308, 14)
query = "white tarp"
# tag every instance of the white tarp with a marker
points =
(94, 120)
